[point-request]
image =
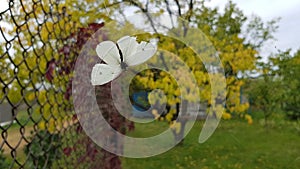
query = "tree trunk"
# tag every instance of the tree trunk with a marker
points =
(179, 137)
(116, 121)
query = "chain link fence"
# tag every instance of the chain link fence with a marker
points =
(38, 127)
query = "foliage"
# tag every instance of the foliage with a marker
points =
(225, 32)
(277, 88)
(46, 38)
(45, 52)
(40, 40)
(43, 149)
(261, 93)
(35, 45)
(3, 162)
(166, 81)
(90, 151)
(238, 54)
(288, 71)
(78, 150)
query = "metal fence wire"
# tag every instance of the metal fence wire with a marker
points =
(38, 126)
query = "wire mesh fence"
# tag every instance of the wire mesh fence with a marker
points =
(38, 126)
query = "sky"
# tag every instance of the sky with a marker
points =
(288, 34)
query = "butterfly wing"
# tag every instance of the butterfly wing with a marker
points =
(103, 73)
(108, 52)
(143, 52)
(128, 46)
(134, 53)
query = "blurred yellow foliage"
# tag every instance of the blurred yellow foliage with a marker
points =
(226, 115)
(176, 126)
(249, 119)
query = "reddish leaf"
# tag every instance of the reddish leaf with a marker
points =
(67, 151)
(51, 65)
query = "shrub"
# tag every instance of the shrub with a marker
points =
(43, 149)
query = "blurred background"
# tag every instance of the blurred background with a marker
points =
(257, 43)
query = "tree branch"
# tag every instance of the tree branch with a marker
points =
(145, 11)
(170, 12)
(178, 7)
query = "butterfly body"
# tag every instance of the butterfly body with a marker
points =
(118, 56)
(123, 64)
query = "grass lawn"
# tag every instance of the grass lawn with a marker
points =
(235, 144)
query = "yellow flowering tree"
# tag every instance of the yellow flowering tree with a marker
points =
(238, 55)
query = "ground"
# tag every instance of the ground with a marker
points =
(235, 144)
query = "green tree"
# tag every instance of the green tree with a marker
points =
(265, 93)
(288, 71)
(275, 90)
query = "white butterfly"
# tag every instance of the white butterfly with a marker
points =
(118, 56)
